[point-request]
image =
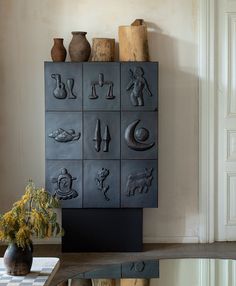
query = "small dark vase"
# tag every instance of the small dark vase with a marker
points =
(58, 51)
(18, 261)
(79, 47)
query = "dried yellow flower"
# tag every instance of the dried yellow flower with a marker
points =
(32, 216)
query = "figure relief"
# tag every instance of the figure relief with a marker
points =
(63, 185)
(100, 178)
(139, 182)
(139, 85)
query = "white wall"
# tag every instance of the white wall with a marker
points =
(178, 272)
(27, 28)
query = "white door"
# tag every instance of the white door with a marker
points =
(226, 91)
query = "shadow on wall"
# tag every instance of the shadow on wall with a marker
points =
(178, 141)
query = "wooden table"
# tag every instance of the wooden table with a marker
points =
(73, 263)
(42, 271)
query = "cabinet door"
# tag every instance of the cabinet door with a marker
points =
(101, 184)
(101, 86)
(64, 135)
(63, 86)
(139, 183)
(101, 135)
(139, 135)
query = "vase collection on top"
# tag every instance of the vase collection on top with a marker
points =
(79, 48)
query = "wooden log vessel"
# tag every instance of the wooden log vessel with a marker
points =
(133, 42)
(103, 49)
(134, 282)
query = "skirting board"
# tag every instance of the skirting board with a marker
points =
(171, 239)
(146, 239)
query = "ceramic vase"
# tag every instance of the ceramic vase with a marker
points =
(79, 47)
(58, 51)
(18, 261)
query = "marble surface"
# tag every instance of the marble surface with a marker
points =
(42, 271)
(71, 264)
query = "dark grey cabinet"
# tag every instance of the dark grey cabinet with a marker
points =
(101, 134)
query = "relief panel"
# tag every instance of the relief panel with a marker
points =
(139, 86)
(140, 269)
(101, 135)
(101, 184)
(101, 86)
(64, 180)
(63, 135)
(138, 135)
(63, 86)
(139, 183)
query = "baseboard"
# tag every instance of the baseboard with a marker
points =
(171, 239)
(158, 239)
(52, 240)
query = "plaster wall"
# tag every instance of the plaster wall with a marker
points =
(26, 31)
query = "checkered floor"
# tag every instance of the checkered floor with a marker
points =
(42, 271)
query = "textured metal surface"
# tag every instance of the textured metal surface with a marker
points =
(69, 87)
(54, 169)
(67, 149)
(101, 86)
(138, 183)
(101, 133)
(100, 193)
(136, 85)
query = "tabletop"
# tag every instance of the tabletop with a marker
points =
(42, 271)
(73, 263)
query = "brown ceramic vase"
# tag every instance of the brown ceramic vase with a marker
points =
(79, 47)
(58, 51)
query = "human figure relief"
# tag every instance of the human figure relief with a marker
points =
(139, 85)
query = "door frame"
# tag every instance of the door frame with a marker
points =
(207, 120)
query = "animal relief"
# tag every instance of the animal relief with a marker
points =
(139, 181)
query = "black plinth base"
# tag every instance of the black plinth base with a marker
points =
(102, 230)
